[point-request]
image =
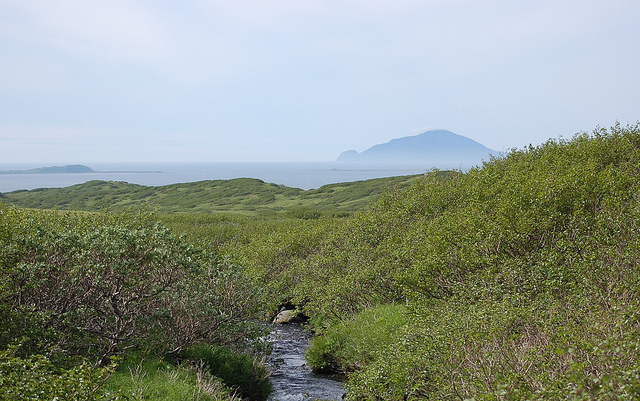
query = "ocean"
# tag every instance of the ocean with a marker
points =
(303, 175)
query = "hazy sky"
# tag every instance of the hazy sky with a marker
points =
(283, 80)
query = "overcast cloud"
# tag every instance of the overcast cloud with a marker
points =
(198, 80)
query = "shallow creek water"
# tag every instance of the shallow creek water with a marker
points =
(292, 379)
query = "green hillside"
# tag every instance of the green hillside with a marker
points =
(243, 195)
(516, 280)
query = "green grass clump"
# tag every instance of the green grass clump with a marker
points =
(243, 373)
(354, 344)
(151, 378)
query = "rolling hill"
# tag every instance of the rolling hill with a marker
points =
(244, 195)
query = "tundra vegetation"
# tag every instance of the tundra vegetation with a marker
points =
(518, 279)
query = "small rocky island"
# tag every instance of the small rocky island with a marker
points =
(68, 169)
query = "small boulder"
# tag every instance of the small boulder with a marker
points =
(289, 316)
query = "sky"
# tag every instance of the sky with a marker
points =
(283, 80)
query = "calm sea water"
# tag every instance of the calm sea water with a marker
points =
(304, 175)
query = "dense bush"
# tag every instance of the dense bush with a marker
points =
(36, 378)
(78, 288)
(105, 284)
(525, 258)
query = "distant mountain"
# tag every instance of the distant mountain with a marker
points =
(430, 146)
(74, 168)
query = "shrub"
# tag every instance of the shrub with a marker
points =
(303, 212)
(36, 377)
(100, 284)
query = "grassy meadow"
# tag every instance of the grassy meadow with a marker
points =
(518, 279)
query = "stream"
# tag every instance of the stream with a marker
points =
(292, 379)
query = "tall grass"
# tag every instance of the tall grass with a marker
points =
(354, 344)
(151, 378)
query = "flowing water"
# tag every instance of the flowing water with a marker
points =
(292, 379)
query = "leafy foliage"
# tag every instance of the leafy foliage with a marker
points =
(35, 377)
(79, 288)
(108, 283)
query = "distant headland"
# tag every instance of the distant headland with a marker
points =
(68, 169)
